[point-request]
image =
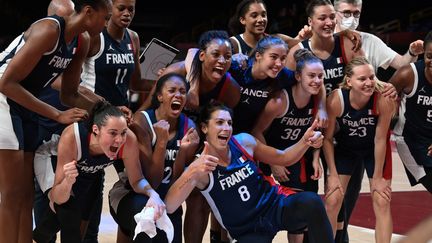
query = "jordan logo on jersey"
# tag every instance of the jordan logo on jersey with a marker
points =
(422, 90)
(110, 48)
(246, 100)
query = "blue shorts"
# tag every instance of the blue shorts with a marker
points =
(346, 162)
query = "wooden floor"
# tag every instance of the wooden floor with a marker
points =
(108, 227)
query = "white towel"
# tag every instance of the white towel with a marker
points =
(145, 223)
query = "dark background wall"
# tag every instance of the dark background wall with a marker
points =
(181, 22)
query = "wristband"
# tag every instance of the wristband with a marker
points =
(411, 54)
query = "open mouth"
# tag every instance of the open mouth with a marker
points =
(219, 70)
(223, 138)
(113, 149)
(176, 105)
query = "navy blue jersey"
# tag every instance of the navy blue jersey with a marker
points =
(288, 129)
(215, 94)
(109, 71)
(243, 47)
(357, 127)
(50, 65)
(172, 149)
(418, 113)
(241, 189)
(52, 97)
(90, 168)
(254, 95)
(334, 65)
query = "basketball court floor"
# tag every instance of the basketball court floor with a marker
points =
(410, 205)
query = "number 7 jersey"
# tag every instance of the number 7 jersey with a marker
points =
(241, 197)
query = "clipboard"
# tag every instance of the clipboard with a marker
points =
(155, 56)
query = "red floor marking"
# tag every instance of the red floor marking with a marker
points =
(408, 209)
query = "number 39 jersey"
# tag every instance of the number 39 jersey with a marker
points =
(357, 127)
(240, 196)
(288, 129)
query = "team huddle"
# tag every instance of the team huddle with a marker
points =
(240, 131)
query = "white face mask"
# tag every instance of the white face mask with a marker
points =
(349, 23)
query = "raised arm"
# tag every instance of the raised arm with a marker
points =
(286, 157)
(403, 79)
(415, 48)
(196, 175)
(153, 161)
(188, 147)
(290, 61)
(66, 171)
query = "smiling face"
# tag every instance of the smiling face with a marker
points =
(255, 19)
(218, 129)
(271, 61)
(311, 77)
(323, 21)
(112, 135)
(362, 80)
(123, 12)
(216, 60)
(172, 97)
